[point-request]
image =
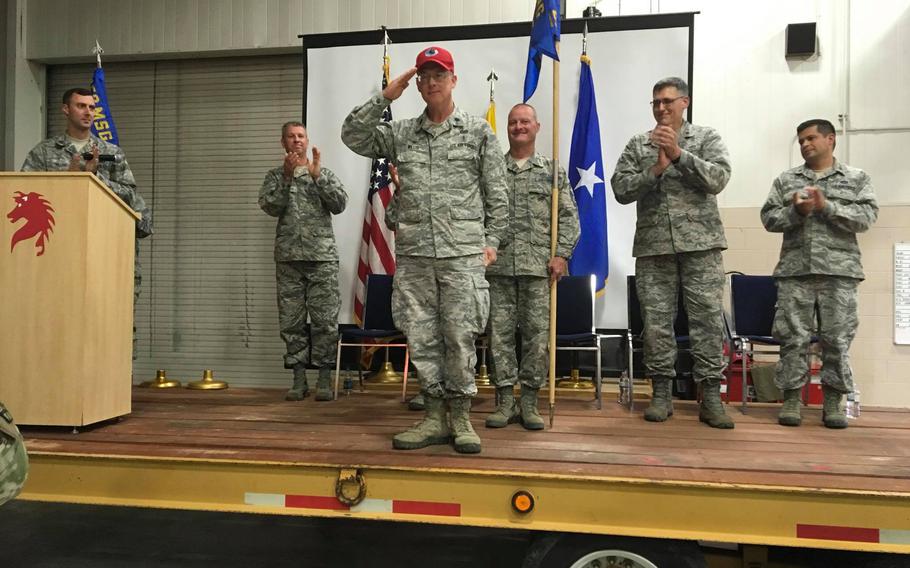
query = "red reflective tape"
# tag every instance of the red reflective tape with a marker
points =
(314, 502)
(426, 508)
(828, 532)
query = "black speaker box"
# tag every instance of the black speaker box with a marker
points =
(801, 40)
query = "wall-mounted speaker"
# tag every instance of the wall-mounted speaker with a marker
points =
(801, 40)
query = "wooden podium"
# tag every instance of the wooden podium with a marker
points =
(66, 299)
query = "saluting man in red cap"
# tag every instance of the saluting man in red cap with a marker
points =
(450, 213)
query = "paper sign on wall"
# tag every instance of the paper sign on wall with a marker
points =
(902, 293)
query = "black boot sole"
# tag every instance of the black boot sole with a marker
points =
(467, 448)
(435, 441)
(724, 426)
(489, 424)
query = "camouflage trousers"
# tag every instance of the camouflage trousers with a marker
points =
(137, 288)
(522, 302)
(13, 459)
(700, 276)
(800, 299)
(308, 289)
(442, 305)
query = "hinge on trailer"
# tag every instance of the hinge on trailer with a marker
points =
(350, 488)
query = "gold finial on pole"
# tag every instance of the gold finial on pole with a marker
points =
(386, 60)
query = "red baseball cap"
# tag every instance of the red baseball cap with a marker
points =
(436, 55)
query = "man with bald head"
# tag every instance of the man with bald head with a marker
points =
(519, 280)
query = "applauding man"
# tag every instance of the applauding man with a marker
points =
(304, 196)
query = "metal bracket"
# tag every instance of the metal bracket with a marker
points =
(349, 481)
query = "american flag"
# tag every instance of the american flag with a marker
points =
(377, 246)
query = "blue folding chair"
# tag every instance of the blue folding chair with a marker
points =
(753, 302)
(575, 325)
(377, 325)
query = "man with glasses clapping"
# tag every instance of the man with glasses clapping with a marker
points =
(674, 172)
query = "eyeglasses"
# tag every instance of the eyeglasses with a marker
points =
(426, 76)
(665, 102)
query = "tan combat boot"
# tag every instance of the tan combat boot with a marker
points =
(661, 406)
(832, 415)
(789, 412)
(299, 390)
(505, 412)
(324, 385)
(530, 417)
(416, 403)
(711, 410)
(432, 430)
(466, 440)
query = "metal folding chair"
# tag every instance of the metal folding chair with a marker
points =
(377, 324)
(753, 301)
(575, 325)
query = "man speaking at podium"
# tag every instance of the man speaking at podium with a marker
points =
(77, 150)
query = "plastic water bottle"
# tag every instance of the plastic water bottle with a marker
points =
(853, 404)
(348, 385)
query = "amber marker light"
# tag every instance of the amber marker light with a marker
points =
(523, 502)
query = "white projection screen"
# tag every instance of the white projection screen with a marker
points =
(629, 54)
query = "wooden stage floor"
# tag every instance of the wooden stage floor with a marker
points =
(258, 425)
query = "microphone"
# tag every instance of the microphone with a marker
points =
(101, 157)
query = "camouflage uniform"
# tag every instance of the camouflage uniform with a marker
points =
(13, 459)
(54, 154)
(306, 261)
(678, 239)
(819, 270)
(452, 203)
(519, 283)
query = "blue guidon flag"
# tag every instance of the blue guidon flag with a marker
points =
(103, 126)
(544, 35)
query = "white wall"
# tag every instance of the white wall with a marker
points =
(743, 84)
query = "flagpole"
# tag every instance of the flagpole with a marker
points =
(554, 228)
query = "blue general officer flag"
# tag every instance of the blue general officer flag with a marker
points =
(586, 174)
(103, 124)
(544, 35)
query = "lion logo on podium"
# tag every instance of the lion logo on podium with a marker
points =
(39, 221)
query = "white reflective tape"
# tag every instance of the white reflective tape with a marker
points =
(264, 499)
(886, 536)
(373, 506)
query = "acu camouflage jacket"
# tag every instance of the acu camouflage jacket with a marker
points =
(528, 250)
(453, 197)
(304, 209)
(54, 155)
(823, 242)
(677, 212)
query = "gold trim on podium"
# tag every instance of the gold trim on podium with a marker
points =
(161, 381)
(208, 382)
